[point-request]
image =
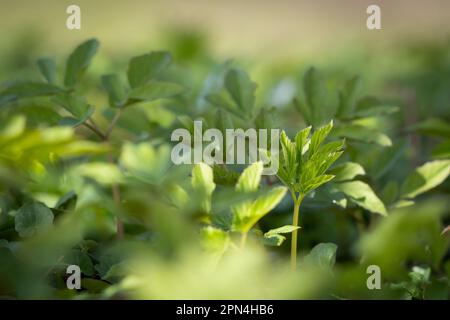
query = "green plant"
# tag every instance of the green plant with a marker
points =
(86, 178)
(303, 167)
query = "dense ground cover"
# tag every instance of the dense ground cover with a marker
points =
(87, 179)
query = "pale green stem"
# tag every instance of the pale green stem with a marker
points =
(297, 203)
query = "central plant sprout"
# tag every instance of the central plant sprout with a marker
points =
(303, 166)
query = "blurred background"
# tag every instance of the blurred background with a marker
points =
(325, 33)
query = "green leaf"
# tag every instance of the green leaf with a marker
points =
(203, 182)
(319, 136)
(116, 92)
(67, 201)
(31, 89)
(363, 134)
(375, 111)
(314, 97)
(36, 112)
(146, 67)
(77, 106)
(93, 285)
(426, 177)
(223, 176)
(156, 90)
(406, 235)
(248, 213)
(32, 217)
(48, 69)
(81, 259)
(433, 127)
(347, 96)
(274, 240)
(362, 195)
(314, 183)
(102, 172)
(323, 255)
(145, 162)
(347, 171)
(283, 229)
(250, 178)
(241, 90)
(389, 193)
(442, 150)
(215, 240)
(79, 61)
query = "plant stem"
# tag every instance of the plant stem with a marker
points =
(113, 122)
(114, 188)
(297, 203)
(95, 129)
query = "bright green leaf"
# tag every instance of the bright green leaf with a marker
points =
(362, 194)
(426, 177)
(347, 171)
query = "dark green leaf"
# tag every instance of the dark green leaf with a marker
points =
(79, 61)
(146, 67)
(116, 92)
(32, 217)
(156, 90)
(48, 69)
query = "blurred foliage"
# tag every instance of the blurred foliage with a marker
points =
(86, 176)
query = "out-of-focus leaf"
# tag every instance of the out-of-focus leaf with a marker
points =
(215, 240)
(363, 134)
(250, 178)
(223, 176)
(48, 69)
(322, 255)
(425, 177)
(376, 111)
(154, 90)
(442, 150)
(203, 182)
(145, 162)
(247, 214)
(146, 67)
(67, 201)
(32, 217)
(347, 96)
(347, 171)
(31, 89)
(77, 106)
(104, 173)
(390, 192)
(79, 60)
(81, 259)
(408, 234)
(433, 126)
(116, 91)
(241, 90)
(93, 285)
(362, 195)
